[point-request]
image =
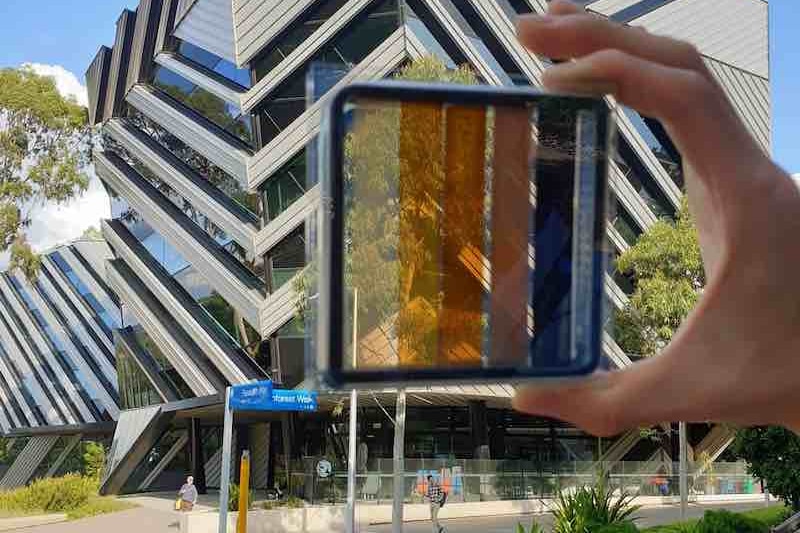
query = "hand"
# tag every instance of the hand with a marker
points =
(736, 358)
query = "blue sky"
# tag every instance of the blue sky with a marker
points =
(67, 33)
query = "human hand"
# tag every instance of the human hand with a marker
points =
(736, 358)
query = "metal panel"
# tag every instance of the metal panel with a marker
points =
(118, 71)
(286, 222)
(608, 7)
(213, 467)
(224, 354)
(148, 15)
(257, 22)
(217, 87)
(97, 84)
(198, 133)
(238, 286)
(26, 463)
(750, 95)
(131, 426)
(378, 64)
(165, 335)
(207, 24)
(732, 31)
(12, 378)
(214, 204)
(279, 308)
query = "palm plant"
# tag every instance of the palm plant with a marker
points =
(591, 508)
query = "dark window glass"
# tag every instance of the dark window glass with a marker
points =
(348, 48)
(167, 371)
(205, 168)
(656, 138)
(214, 63)
(284, 187)
(294, 35)
(520, 6)
(226, 115)
(175, 472)
(637, 10)
(626, 226)
(287, 258)
(135, 390)
(642, 181)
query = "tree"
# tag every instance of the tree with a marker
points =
(667, 268)
(772, 455)
(44, 146)
(92, 233)
(94, 459)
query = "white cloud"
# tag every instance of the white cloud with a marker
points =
(52, 224)
(66, 82)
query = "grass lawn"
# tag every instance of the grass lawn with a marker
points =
(99, 505)
(769, 516)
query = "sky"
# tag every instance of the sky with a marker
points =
(60, 38)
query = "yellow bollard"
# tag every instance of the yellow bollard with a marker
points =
(244, 492)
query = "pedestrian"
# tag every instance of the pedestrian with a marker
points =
(188, 495)
(734, 359)
(435, 495)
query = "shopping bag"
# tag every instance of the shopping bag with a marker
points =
(178, 504)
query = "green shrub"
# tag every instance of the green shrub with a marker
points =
(52, 495)
(94, 459)
(590, 508)
(535, 528)
(292, 502)
(233, 497)
(728, 522)
(622, 527)
(769, 516)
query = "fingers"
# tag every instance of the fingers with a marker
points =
(671, 95)
(565, 34)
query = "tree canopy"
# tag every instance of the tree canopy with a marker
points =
(667, 268)
(772, 454)
(44, 146)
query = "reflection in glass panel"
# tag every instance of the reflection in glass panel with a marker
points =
(287, 351)
(284, 187)
(287, 258)
(641, 180)
(201, 165)
(174, 475)
(107, 321)
(351, 45)
(135, 390)
(166, 370)
(214, 63)
(226, 115)
(294, 35)
(627, 227)
(656, 138)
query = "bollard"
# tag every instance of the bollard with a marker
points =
(244, 492)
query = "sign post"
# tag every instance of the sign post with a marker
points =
(256, 396)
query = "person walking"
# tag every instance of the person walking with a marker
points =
(188, 495)
(435, 495)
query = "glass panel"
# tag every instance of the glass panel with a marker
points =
(135, 390)
(284, 187)
(348, 48)
(152, 460)
(664, 150)
(223, 67)
(642, 181)
(287, 258)
(626, 225)
(297, 32)
(167, 371)
(202, 166)
(226, 115)
(107, 321)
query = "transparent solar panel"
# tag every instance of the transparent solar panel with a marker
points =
(466, 233)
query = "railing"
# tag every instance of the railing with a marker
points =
(488, 480)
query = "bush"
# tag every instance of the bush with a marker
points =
(233, 498)
(94, 459)
(292, 502)
(535, 528)
(728, 522)
(623, 527)
(52, 495)
(591, 508)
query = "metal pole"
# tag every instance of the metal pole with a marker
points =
(399, 463)
(684, 485)
(350, 522)
(225, 469)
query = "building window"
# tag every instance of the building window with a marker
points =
(660, 144)
(641, 180)
(226, 115)
(201, 165)
(214, 63)
(348, 48)
(637, 10)
(284, 187)
(165, 368)
(287, 258)
(294, 35)
(107, 321)
(625, 225)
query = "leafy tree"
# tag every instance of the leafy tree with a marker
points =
(44, 146)
(772, 454)
(668, 270)
(92, 233)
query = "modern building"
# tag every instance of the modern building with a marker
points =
(205, 125)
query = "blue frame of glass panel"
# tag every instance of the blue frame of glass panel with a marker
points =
(637, 10)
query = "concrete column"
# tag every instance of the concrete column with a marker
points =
(198, 466)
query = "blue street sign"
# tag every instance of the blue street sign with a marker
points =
(251, 396)
(294, 400)
(260, 396)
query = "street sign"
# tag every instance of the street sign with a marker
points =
(251, 397)
(293, 400)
